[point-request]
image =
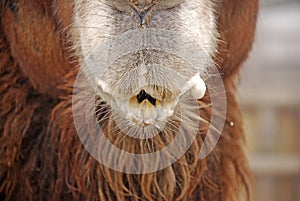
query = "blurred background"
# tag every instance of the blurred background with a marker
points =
(269, 93)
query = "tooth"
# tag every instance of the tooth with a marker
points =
(148, 111)
(103, 85)
(196, 85)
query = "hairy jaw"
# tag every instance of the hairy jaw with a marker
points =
(145, 70)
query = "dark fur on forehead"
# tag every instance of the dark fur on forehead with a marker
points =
(41, 156)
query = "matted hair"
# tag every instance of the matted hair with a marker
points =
(41, 156)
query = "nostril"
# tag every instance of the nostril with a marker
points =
(143, 95)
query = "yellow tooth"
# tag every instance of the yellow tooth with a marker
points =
(146, 105)
(133, 101)
(157, 103)
(148, 111)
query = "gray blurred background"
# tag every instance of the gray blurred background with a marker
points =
(269, 93)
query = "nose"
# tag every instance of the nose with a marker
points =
(142, 10)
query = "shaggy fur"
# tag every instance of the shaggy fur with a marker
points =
(41, 156)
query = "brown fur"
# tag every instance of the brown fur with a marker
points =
(41, 156)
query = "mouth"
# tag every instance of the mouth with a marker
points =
(145, 110)
(150, 105)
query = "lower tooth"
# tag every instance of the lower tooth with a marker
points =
(196, 85)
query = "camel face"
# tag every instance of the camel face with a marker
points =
(143, 56)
